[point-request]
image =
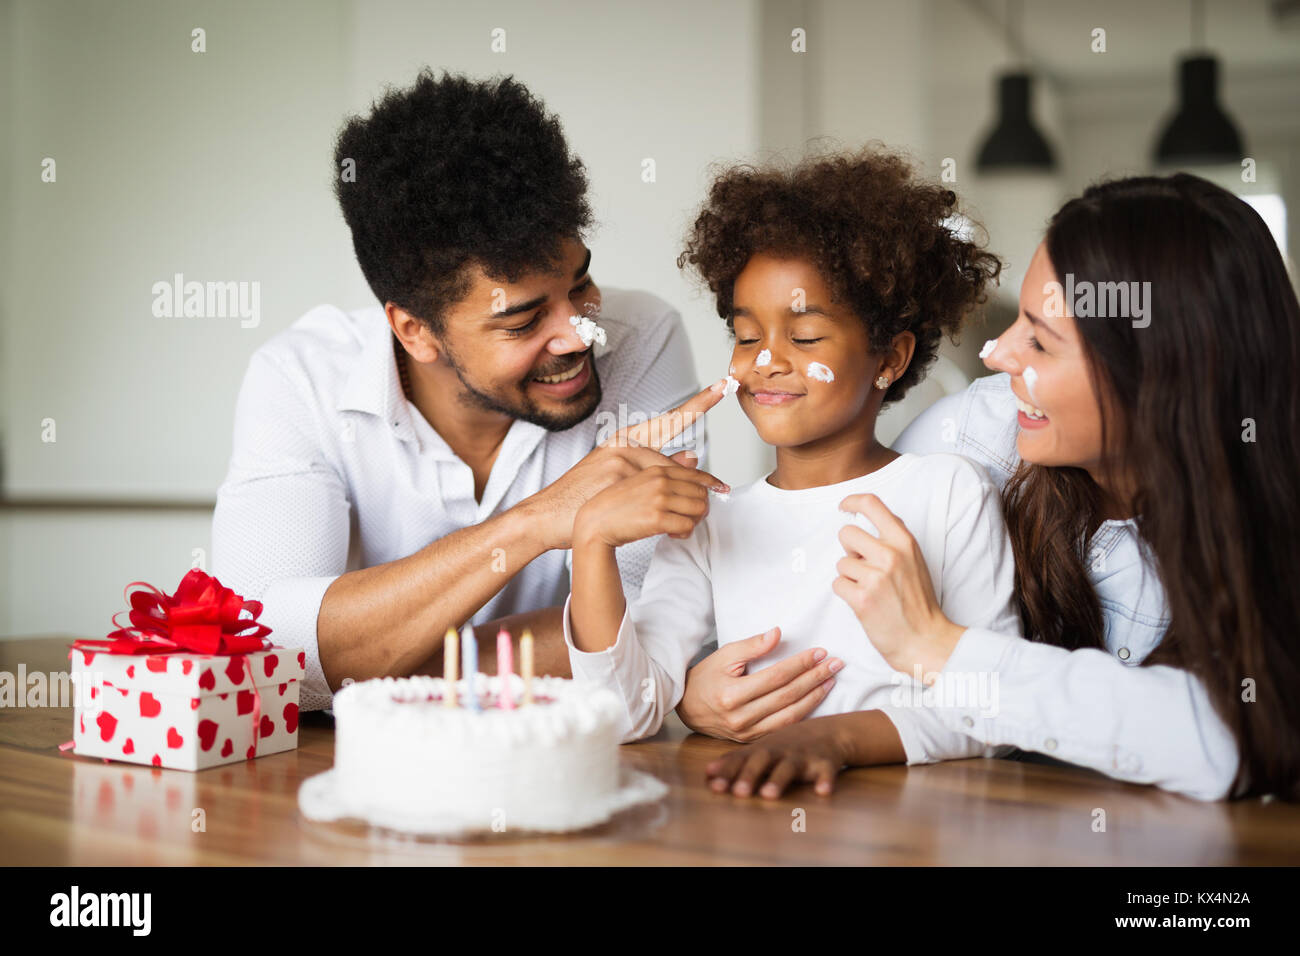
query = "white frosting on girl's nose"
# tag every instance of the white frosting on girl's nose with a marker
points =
(988, 349)
(764, 357)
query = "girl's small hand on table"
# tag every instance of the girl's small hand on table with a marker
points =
(809, 752)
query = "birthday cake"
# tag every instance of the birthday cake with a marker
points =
(406, 758)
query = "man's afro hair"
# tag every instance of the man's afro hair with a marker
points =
(454, 173)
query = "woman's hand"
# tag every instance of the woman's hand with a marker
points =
(721, 700)
(887, 584)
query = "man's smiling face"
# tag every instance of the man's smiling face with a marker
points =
(514, 350)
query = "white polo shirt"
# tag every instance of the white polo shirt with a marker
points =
(333, 470)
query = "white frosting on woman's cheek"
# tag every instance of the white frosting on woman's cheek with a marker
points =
(820, 372)
(764, 357)
(1031, 379)
(731, 387)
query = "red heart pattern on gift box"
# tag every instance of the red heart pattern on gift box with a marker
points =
(207, 734)
(107, 724)
(190, 711)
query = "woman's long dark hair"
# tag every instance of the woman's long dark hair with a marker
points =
(1201, 410)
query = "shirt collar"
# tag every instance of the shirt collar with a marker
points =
(373, 385)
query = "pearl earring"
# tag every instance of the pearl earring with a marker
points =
(882, 382)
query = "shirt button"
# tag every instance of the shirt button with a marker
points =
(1123, 653)
(1049, 743)
(968, 722)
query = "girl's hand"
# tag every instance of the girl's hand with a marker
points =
(661, 499)
(721, 700)
(887, 584)
(553, 510)
(813, 751)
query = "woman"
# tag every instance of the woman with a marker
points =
(1149, 466)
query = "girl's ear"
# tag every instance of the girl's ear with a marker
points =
(898, 356)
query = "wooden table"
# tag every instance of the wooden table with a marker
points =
(58, 808)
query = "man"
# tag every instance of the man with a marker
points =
(404, 469)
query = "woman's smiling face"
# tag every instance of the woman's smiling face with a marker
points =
(1060, 415)
(785, 323)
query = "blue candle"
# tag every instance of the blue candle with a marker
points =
(469, 666)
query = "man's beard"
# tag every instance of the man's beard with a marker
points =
(526, 409)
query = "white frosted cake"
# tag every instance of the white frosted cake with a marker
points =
(405, 760)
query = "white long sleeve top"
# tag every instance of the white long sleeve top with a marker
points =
(766, 557)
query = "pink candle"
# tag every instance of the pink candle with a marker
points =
(505, 667)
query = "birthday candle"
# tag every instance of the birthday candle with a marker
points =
(469, 651)
(505, 669)
(450, 665)
(526, 664)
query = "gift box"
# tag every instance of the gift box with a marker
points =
(191, 684)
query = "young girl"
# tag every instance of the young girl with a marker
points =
(837, 279)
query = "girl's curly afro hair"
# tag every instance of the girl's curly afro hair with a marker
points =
(453, 173)
(885, 242)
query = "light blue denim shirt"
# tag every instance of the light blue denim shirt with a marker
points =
(1088, 707)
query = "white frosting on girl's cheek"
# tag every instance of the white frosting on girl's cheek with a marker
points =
(731, 387)
(820, 372)
(989, 348)
(1031, 379)
(764, 357)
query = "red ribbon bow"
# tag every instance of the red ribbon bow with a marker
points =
(202, 617)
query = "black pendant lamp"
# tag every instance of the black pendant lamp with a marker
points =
(1015, 144)
(1200, 132)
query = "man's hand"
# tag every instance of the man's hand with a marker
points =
(625, 453)
(721, 700)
